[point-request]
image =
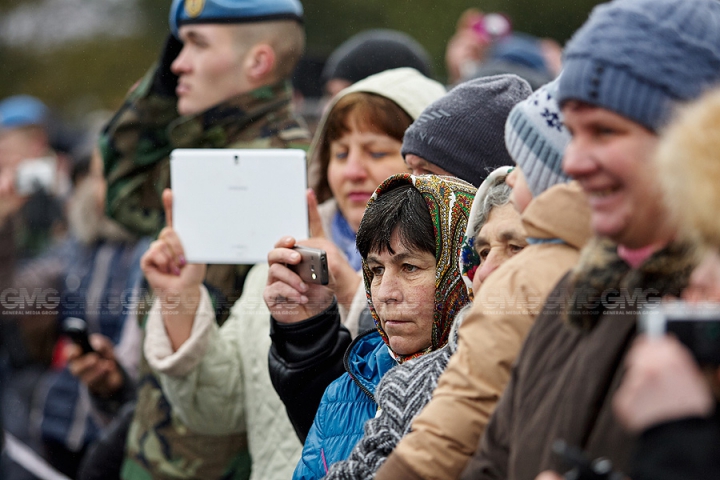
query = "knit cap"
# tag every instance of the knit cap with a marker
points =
(22, 111)
(536, 138)
(184, 12)
(375, 51)
(462, 132)
(638, 58)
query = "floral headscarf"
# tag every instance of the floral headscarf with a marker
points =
(449, 201)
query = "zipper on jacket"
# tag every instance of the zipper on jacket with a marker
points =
(346, 364)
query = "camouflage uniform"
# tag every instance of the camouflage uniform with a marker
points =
(136, 147)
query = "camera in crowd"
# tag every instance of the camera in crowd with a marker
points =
(697, 326)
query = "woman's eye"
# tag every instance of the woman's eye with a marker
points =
(378, 155)
(341, 155)
(516, 248)
(377, 271)
(410, 268)
(483, 253)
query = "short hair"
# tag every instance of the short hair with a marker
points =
(286, 37)
(372, 112)
(402, 211)
(497, 196)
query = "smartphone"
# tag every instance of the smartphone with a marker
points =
(313, 267)
(35, 174)
(697, 326)
(76, 330)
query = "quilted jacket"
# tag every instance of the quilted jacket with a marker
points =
(347, 404)
(218, 381)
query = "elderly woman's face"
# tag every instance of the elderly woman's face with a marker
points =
(359, 162)
(499, 239)
(403, 294)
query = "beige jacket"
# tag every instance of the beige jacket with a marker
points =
(447, 431)
(218, 381)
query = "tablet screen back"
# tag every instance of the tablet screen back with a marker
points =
(232, 206)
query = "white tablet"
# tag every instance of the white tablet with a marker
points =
(232, 206)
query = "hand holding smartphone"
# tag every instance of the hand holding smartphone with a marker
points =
(313, 266)
(76, 330)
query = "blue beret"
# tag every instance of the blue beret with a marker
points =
(183, 12)
(21, 111)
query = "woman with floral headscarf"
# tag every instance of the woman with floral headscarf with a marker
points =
(409, 240)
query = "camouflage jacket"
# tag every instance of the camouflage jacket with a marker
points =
(136, 146)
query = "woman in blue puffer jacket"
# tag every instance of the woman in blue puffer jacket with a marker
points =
(409, 239)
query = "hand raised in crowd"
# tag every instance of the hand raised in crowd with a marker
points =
(287, 296)
(662, 383)
(175, 282)
(346, 278)
(98, 370)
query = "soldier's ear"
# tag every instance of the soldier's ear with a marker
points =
(260, 63)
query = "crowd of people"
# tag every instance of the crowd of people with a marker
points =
(496, 250)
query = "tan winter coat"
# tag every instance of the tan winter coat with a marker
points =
(447, 431)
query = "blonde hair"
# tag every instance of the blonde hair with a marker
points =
(688, 162)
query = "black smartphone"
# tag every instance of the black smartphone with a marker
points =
(313, 267)
(76, 330)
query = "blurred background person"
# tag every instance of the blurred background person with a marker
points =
(485, 44)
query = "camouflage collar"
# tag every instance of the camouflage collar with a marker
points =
(212, 128)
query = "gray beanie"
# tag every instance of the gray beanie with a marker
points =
(462, 132)
(638, 58)
(536, 138)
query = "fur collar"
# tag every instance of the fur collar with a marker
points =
(602, 283)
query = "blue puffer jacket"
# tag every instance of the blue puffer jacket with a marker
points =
(347, 404)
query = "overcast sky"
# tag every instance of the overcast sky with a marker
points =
(51, 23)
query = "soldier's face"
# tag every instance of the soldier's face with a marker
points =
(209, 67)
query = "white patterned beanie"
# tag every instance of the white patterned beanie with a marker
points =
(536, 138)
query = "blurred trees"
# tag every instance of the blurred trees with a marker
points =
(81, 74)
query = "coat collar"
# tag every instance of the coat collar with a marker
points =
(604, 284)
(217, 126)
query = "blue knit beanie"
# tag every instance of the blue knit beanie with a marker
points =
(183, 12)
(639, 58)
(536, 138)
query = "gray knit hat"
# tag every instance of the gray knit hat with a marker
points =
(638, 58)
(536, 138)
(462, 132)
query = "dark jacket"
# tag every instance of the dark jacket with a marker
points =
(346, 405)
(687, 449)
(572, 363)
(304, 358)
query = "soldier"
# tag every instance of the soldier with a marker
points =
(222, 81)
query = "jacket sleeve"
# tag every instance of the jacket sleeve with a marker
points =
(220, 383)
(687, 449)
(202, 378)
(304, 358)
(447, 431)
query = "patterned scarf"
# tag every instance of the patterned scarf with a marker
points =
(449, 201)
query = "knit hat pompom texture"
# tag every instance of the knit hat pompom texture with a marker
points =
(536, 139)
(463, 131)
(184, 12)
(638, 58)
